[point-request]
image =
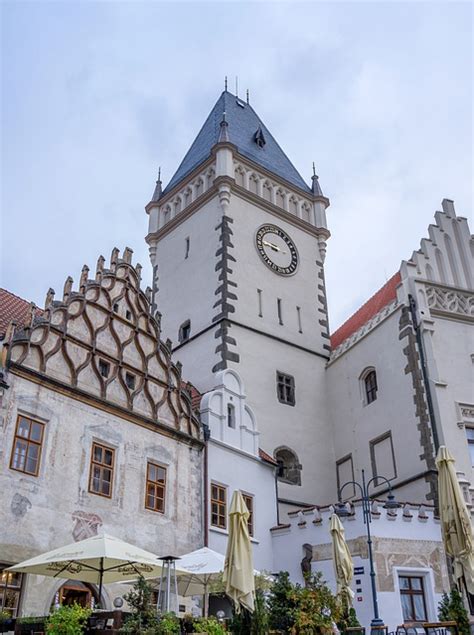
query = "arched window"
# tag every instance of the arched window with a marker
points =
(167, 214)
(253, 183)
(289, 467)
(240, 176)
(199, 188)
(280, 198)
(293, 205)
(184, 331)
(267, 191)
(230, 415)
(369, 385)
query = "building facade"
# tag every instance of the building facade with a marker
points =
(97, 433)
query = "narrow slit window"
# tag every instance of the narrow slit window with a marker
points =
(249, 502)
(279, 311)
(184, 332)
(298, 315)
(230, 415)
(187, 243)
(259, 298)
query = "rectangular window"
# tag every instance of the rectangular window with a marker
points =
(470, 442)
(10, 590)
(345, 474)
(382, 457)
(286, 389)
(218, 506)
(249, 502)
(155, 487)
(412, 595)
(280, 315)
(26, 451)
(102, 470)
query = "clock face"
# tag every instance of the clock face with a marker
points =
(276, 249)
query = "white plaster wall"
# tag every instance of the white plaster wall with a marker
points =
(356, 424)
(304, 427)
(288, 553)
(187, 285)
(237, 470)
(38, 512)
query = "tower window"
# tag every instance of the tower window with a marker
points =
(115, 307)
(279, 311)
(298, 315)
(104, 368)
(470, 441)
(184, 331)
(370, 383)
(286, 389)
(130, 380)
(289, 468)
(230, 415)
(128, 314)
(186, 247)
(259, 297)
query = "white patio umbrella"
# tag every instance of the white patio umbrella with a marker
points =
(98, 560)
(455, 520)
(342, 560)
(197, 571)
(238, 571)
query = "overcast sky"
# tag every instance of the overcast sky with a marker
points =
(96, 95)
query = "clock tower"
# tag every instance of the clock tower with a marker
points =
(237, 243)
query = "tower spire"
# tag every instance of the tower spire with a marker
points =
(158, 190)
(317, 191)
(223, 133)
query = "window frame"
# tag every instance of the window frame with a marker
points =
(413, 592)
(130, 380)
(102, 466)
(104, 365)
(251, 520)
(17, 590)
(339, 462)
(184, 331)
(290, 398)
(370, 391)
(156, 485)
(470, 443)
(220, 504)
(28, 441)
(372, 444)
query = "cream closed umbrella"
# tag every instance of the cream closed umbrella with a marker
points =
(342, 560)
(455, 519)
(98, 560)
(238, 569)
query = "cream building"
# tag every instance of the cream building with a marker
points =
(97, 433)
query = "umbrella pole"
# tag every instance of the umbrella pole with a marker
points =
(206, 601)
(101, 577)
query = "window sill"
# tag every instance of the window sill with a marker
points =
(224, 532)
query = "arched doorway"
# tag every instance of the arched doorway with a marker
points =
(75, 592)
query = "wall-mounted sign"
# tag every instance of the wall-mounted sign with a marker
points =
(359, 571)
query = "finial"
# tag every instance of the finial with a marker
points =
(67, 288)
(158, 189)
(225, 83)
(237, 86)
(114, 257)
(314, 170)
(248, 96)
(223, 134)
(317, 191)
(127, 255)
(49, 298)
(84, 278)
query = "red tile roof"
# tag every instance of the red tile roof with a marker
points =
(376, 303)
(13, 308)
(266, 457)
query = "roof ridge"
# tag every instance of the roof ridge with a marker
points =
(19, 297)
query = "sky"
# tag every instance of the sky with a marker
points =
(97, 95)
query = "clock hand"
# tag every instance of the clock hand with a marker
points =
(272, 246)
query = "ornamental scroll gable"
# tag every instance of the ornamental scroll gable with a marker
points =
(103, 340)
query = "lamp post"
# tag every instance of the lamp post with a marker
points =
(341, 510)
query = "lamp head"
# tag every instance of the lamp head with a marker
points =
(391, 502)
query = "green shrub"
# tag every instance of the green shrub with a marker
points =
(452, 609)
(67, 620)
(208, 625)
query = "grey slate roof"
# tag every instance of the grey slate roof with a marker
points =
(243, 123)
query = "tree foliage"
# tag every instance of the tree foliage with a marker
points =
(452, 609)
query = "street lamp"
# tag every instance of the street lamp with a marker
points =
(342, 511)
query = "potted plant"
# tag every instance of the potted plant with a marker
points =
(29, 623)
(208, 626)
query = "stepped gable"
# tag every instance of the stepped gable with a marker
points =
(102, 340)
(376, 303)
(15, 309)
(248, 133)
